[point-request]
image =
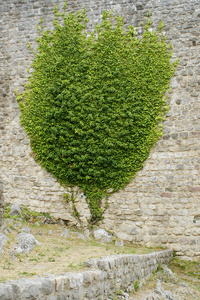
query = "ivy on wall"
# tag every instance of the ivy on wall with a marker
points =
(93, 103)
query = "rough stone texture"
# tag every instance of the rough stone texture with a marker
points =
(3, 240)
(1, 203)
(25, 229)
(15, 209)
(103, 235)
(111, 273)
(26, 242)
(65, 233)
(161, 205)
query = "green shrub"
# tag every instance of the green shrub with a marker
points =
(136, 285)
(93, 103)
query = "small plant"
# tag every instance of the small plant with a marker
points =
(7, 265)
(72, 266)
(34, 259)
(160, 267)
(26, 214)
(19, 256)
(60, 249)
(80, 265)
(67, 197)
(136, 285)
(51, 259)
(117, 294)
(27, 274)
(7, 209)
(133, 251)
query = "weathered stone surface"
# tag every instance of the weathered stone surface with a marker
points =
(3, 240)
(6, 293)
(169, 273)
(26, 242)
(120, 243)
(81, 236)
(15, 209)
(103, 235)
(65, 233)
(25, 229)
(1, 204)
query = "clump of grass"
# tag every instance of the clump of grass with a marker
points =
(26, 214)
(136, 285)
(188, 271)
(191, 268)
(27, 274)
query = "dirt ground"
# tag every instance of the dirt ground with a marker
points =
(57, 254)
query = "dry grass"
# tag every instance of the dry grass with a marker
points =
(56, 254)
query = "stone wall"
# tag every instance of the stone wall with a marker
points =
(161, 205)
(1, 203)
(109, 274)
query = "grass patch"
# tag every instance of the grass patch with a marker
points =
(57, 254)
(189, 271)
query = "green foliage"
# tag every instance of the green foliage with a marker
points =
(191, 268)
(26, 214)
(93, 103)
(136, 285)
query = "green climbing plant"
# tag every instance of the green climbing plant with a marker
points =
(93, 103)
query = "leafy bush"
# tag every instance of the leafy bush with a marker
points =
(93, 103)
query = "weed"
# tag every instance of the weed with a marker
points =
(72, 266)
(27, 274)
(80, 265)
(174, 253)
(7, 265)
(60, 249)
(136, 285)
(117, 293)
(51, 259)
(26, 214)
(34, 259)
(67, 197)
(19, 256)
(160, 268)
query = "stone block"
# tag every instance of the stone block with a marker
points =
(6, 292)
(153, 231)
(30, 290)
(47, 286)
(134, 230)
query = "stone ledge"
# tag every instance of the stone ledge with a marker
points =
(107, 275)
